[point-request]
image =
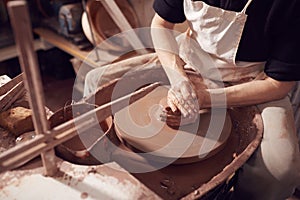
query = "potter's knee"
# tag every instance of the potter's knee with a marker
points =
(282, 165)
(269, 175)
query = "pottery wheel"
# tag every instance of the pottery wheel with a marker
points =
(139, 125)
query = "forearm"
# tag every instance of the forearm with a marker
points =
(250, 93)
(166, 47)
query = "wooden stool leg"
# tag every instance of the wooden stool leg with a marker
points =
(20, 20)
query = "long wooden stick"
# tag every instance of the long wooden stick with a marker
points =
(21, 24)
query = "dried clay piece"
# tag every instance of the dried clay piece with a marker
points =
(17, 120)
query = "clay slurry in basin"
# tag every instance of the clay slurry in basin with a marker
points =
(139, 126)
(80, 149)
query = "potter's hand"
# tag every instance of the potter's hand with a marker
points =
(182, 97)
(175, 119)
(183, 104)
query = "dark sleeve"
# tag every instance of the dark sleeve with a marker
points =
(170, 10)
(284, 60)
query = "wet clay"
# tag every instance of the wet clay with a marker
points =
(76, 150)
(139, 125)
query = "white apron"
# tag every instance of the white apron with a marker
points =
(211, 43)
(210, 47)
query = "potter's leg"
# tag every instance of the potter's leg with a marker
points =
(104, 74)
(273, 171)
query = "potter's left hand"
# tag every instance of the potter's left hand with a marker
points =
(175, 119)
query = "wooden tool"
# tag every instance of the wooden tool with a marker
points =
(11, 91)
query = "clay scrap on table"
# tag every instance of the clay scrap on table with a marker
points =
(17, 120)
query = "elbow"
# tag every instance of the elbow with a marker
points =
(154, 23)
(281, 88)
(158, 22)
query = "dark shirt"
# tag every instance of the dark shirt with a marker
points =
(271, 33)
